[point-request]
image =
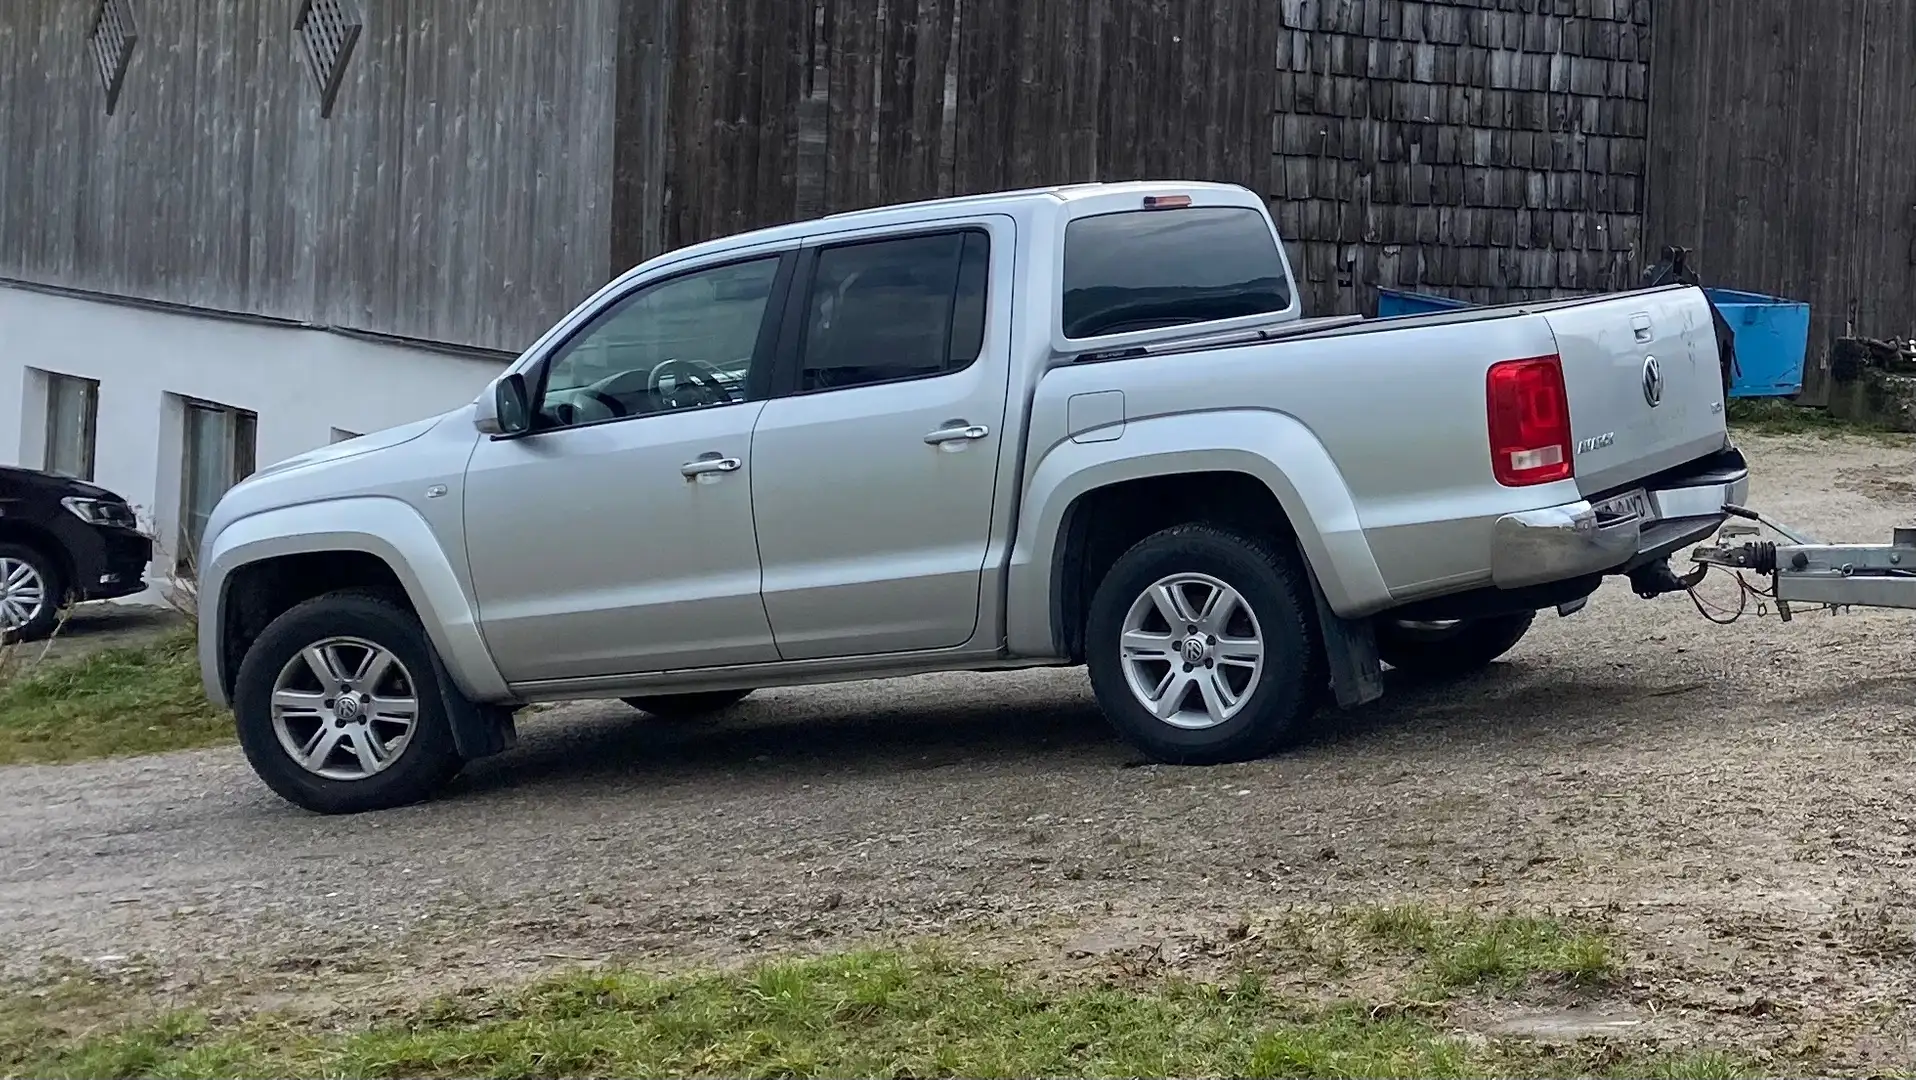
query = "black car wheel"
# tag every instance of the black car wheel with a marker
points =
(1445, 649)
(32, 592)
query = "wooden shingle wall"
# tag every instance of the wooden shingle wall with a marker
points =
(1489, 150)
(458, 192)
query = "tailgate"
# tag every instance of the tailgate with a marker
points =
(1646, 390)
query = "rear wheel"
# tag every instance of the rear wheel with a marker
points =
(31, 593)
(687, 706)
(1453, 647)
(1202, 648)
(339, 706)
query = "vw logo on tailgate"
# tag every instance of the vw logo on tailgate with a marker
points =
(1652, 381)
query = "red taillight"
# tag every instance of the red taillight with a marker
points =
(1529, 422)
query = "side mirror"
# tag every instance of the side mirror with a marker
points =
(507, 410)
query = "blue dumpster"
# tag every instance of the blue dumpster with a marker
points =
(1772, 334)
(1396, 303)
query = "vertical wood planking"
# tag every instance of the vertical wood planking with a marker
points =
(1781, 153)
(458, 193)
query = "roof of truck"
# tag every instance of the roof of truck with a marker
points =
(880, 215)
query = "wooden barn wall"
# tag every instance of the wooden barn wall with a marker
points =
(459, 192)
(1782, 154)
(1488, 149)
(741, 113)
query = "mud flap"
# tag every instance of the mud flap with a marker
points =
(477, 730)
(1350, 649)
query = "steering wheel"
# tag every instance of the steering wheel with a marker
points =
(693, 384)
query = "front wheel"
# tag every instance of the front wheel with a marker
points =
(1455, 647)
(687, 706)
(339, 706)
(1202, 648)
(31, 592)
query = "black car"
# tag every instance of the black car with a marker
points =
(62, 541)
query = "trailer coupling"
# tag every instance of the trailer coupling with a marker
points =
(1804, 571)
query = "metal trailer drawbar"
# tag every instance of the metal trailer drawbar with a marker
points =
(1805, 571)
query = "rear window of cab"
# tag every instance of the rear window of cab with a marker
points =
(1145, 269)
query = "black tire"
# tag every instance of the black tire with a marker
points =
(687, 706)
(428, 759)
(1286, 691)
(53, 585)
(1457, 650)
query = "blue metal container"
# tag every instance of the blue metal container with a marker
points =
(1772, 337)
(1772, 334)
(1395, 303)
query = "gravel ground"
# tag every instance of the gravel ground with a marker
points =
(1732, 801)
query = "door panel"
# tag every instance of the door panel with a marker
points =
(873, 480)
(617, 537)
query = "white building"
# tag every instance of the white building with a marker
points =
(231, 232)
(170, 408)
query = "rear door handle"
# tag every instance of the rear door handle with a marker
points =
(957, 431)
(708, 465)
(1640, 324)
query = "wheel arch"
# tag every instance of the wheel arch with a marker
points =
(1231, 449)
(359, 542)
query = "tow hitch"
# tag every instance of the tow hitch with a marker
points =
(1804, 571)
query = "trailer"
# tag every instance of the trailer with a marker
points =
(1805, 571)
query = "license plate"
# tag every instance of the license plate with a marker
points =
(1629, 506)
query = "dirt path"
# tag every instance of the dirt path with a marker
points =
(1732, 801)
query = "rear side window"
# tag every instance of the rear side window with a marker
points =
(1143, 269)
(895, 309)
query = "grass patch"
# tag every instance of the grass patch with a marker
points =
(1777, 416)
(1461, 951)
(129, 700)
(860, 1014)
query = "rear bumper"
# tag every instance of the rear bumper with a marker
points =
(1680, 507)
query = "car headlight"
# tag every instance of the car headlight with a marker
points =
(100, 511)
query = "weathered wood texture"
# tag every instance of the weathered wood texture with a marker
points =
(1490, 149)
(1782, 153)
(743, 113)
(458, 193)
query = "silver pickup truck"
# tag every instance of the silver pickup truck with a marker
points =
(1073, 425)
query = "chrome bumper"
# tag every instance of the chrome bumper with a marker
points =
(1557, 543)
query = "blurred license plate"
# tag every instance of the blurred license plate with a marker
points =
(1625, 507)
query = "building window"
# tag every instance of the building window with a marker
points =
(327, 31)
(220, 448)
(73, 419)
(111, 41)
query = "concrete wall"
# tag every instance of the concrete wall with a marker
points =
(304, 385)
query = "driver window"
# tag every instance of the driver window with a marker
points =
(685, 343)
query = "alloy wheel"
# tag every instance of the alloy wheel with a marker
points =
(344, 708)
(1192, 651)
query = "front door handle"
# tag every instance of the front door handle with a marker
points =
(957, 431)
(709, 465)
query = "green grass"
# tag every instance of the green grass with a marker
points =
(130, 700)
(1776, 416)
(909, 1013)
(1461, 951)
